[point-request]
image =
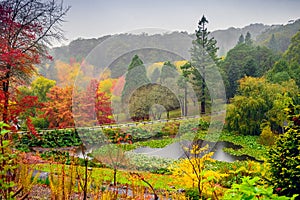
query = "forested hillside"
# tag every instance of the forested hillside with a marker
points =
(226, 39)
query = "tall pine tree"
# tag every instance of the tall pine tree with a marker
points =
(203, 54)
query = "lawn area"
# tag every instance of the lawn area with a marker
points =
(100, 175)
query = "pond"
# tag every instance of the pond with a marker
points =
(175, 151)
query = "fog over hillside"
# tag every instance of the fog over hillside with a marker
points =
(226, 39)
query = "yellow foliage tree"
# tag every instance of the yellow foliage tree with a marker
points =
(193, 173)
(67, 73)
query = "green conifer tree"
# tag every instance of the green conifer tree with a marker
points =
(273, 44)
(136, 77)
(241, 39)
(248, 39)
(203, 53)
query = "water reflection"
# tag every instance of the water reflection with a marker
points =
(175, 150)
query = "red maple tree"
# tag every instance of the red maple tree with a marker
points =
(26, 27)
(103, 108)
(93, 107)
(84, 105)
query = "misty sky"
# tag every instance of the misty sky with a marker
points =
(96, 18)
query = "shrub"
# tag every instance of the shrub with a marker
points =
(267, 137)
(139, 133)
(49, 139)
(171, 128)
(40, 123)
(192, 194)
(251, 189)
(203, 125)
(284, 159)
(8, 164)
(57, 156)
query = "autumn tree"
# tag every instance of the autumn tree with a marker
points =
(107, 85)
(58, 110)
(67, 73)
(37, 90)
(41, 86)
(84, 109)
(103, 108)
(193, 171)
(24, 107)
(116, 98)
(93, 106)
(27, 27)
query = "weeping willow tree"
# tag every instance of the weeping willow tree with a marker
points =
(258, 102)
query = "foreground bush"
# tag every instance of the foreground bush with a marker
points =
(251, 189)
(284, 159)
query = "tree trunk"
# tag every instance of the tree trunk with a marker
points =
(5, 87)
(203, 73)
(115, 176)
(185, 101)
(63, 182)
(199, 188)
(203, 98)
(85, 179)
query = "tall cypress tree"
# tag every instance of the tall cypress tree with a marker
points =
(203, 53)
(248, 39)
(241, 39)
(273, 44)
(135, 77)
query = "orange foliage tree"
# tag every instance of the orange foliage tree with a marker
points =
(58, 110)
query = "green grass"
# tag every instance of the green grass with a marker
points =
(123, 177)
(155, 143)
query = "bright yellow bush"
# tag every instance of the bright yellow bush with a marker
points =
(192, 172)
